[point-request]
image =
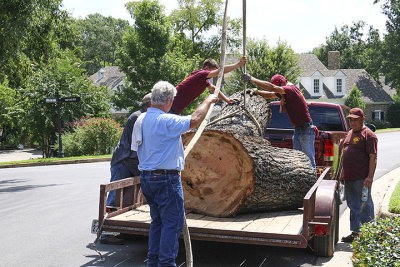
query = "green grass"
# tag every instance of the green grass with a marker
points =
(394, 204)
(55, 159)
(380, 130)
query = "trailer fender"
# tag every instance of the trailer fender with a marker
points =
(324, 198)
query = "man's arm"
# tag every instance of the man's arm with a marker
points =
(228, 68)
(221, 95)
(267, 86)
(372, 166)
(200, 113)
(265, 94)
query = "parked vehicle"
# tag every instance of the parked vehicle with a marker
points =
(332, 126)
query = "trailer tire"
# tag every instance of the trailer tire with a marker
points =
(324, 246)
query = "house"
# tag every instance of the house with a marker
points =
(112, 78)
(333, 84)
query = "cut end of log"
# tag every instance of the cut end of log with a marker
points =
(218, 174)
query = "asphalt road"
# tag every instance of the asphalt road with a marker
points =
(47, 212)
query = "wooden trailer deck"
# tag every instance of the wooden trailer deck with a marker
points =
(283, 222)
(290, 228)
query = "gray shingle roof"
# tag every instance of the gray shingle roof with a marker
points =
(371, 90)
(111, 77)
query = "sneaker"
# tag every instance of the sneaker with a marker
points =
(111, 240)
(349, 238)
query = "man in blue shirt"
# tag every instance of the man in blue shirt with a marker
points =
(161, 158)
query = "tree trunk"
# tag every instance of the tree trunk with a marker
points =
(232, 169)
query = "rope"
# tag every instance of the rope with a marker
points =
(244, 50)
(99, 231)
(186, 235)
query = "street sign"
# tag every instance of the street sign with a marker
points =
(71, 99)
(51, 100)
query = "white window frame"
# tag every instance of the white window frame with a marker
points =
(377, 114)
(339, 86)
(316, 89)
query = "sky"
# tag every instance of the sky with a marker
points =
(303, 24)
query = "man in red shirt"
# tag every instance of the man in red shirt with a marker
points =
(359, 164)
(292, 102)
(197, 82)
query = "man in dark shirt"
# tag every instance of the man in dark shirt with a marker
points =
(292, 102)
(124, 163)
(197, 82)
(359, 164)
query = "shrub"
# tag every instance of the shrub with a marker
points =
(393, 114)
(91, 136)
(378, 243)
(381, 124)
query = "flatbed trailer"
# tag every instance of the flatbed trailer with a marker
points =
(314, 225)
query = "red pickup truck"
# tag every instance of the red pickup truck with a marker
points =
(331, 122)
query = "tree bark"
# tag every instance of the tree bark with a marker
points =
(232, 169)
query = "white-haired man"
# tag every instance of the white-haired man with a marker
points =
(161, 159)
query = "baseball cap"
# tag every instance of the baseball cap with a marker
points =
(356, 113)
(146, 98)
(278, 79)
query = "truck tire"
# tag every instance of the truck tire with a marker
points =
(324, 246)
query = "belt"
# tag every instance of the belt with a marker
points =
(305, 125)
(163, 171)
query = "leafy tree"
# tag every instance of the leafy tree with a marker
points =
(100, 36)
(195, 20)
(65, 74)
(354, 100)
(391, 51)
(9, 114)
(31, 31)
(357, 51)
(393, 114)
(264, 61)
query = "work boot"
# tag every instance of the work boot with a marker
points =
(350, 237)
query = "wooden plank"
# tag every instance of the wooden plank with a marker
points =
(262, 223)
(295, 225)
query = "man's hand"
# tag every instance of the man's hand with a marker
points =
(242, 61)
(368, 181)
(252, 92)
(232, 100)
(212, 98)
(246, 77)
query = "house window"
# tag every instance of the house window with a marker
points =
(316, 86)
(339, 85)
(378, 115)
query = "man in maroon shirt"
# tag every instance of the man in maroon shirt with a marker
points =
(197, 82)
(292, 102)
(359, 164)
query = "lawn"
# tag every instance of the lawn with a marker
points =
(394, 204)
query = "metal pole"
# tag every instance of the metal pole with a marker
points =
(244, 49)
(60, 149)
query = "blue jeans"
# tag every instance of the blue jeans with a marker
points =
(118, 171)
(303, 140)
(164, 195)
(360, 211)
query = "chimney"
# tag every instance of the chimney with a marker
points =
(333, 60)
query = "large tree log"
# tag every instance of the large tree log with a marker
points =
(233, 169)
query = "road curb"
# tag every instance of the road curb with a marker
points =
(393, 180)
(46, 163)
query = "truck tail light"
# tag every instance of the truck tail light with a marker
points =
(320, 230)
(328, 151)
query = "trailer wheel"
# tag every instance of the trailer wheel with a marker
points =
(324, 246)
